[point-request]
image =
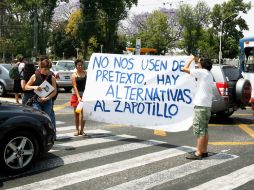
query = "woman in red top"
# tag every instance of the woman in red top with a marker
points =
(78, 82)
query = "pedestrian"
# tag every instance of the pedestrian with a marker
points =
(29, 70)
(78, 82)
(202, 104)
(17, 89)
(42, 74)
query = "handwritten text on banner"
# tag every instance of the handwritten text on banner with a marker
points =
(143, 91)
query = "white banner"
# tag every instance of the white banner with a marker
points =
(143, 91)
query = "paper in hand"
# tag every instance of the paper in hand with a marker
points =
(46, 89)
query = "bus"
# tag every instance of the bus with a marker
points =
(247, 62)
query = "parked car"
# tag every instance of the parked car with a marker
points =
(230, 91)
(63, 77)
(6, 83)
(25, 134)
(68, 64)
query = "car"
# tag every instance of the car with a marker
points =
(230, 92)
(68, 64)
(6, 83)
(25, 135)
(63, 77)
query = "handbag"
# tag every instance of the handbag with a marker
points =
(30, 101)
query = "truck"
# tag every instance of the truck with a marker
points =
(247, 62)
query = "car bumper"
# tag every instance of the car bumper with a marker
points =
(61, 84)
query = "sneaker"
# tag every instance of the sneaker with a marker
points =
(193, 156)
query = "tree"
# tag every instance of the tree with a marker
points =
(232, 25)
(155, 34)
(193, 20)
(115, 11)
(159, 29)
(61, 43)
(72, 28)
(101, 19)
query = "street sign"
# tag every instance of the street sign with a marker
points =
(138, 46)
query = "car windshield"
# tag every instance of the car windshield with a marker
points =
(67, 65)
(231, 73)
(59, 68)
(7, 66)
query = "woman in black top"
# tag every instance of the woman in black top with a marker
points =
(42, 103)
(29, 70)
(78, 82)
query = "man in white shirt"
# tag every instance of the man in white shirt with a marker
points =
(202, 104)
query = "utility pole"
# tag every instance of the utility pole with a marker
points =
(35, 42)
(2, 13)
(221, 33)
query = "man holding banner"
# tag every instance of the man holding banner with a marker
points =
(202, 105)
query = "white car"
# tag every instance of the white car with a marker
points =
(68, 64)
(63, 77)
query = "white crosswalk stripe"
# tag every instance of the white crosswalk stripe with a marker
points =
(91, 173)
(80, 152)
(59, 122)
(89, 132)
(230, 181)
(174, 173)
(86, 142)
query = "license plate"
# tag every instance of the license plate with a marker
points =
(67, 77)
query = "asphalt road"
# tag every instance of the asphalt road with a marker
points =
(124, 157)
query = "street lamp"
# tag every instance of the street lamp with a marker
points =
(101, 47)
(77, 52)
(221, 25)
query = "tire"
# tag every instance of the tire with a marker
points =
(2, 90)
(18, 151)
(243, 91)
(224, 114)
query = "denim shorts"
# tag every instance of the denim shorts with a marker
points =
(201, 119)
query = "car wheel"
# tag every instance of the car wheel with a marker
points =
(18, 151)
(67, 89)
(224, 114)
(243, 91)
(2, 89)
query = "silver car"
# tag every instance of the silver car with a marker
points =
(230, 91)
(63, 77)
(6, 83)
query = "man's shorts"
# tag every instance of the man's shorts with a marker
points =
(201, 119)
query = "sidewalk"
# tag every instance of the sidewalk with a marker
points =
(9, 99)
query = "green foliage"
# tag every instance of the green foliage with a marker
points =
(155, 34)
(193, 20)
(101, 19)
(60, 42)
(232, 27)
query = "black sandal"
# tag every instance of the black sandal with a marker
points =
(193, 156)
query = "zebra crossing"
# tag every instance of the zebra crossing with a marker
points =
(114, 156)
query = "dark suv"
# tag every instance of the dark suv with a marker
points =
(230, 90)
(25, 133)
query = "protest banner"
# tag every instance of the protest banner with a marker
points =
(143, 91)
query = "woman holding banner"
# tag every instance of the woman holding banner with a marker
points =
(202, 104)
(78, 82)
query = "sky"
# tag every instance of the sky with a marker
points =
(150, 5)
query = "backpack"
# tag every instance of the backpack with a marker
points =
(14, 72)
